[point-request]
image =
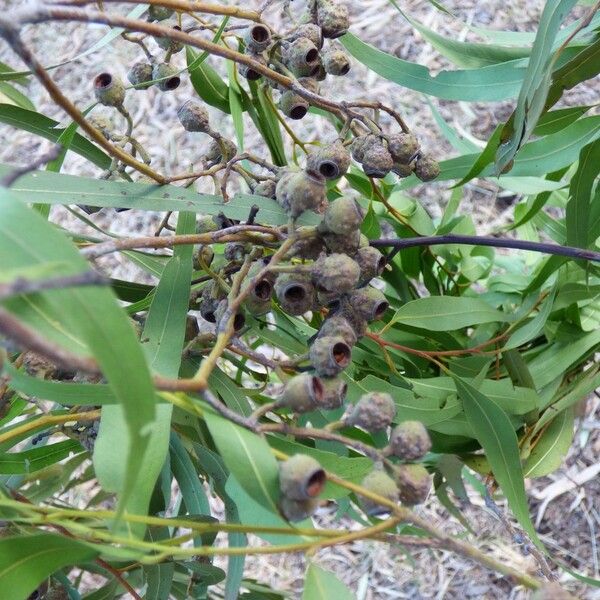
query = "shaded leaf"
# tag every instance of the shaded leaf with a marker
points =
(323, 585)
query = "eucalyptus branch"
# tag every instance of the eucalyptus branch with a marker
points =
(182, 5)
(10, 32)
(473, 240)
(229, 234)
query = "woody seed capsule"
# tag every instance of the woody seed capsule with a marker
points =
(373, 412)
(414, 483)
(295, 293)
(168, 77)
(303, 393)
(371, 263)
(193, 116)
(410, 441)
(336, 272)
(109, 89)
(369, 303)
(140, 75)
(331, 161)
(330, 355)
(380, 483)
(333, 18)
(257, 38)
(301, 477)
(403, 147)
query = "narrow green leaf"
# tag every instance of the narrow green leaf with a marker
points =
(534, 327)
(323, 585)
(207, 82)
(557, 120)
(487, 84)
(552, 447)
(11, 95)
(43, 126)
(35, 459)
(497, 437)
(536, 83)
(249, 459)
(447, 313)
(55, 188)
(579, 207)
(26, 561)
(159, 578)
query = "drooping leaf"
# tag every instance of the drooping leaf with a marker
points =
(497, 437)
(35, 459)
(447, 313)
(322, 585)
(25, 561)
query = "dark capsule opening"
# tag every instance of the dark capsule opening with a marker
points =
(317, 389)
(341, 354)
(344, 70)
(103, 81)
(263, 290)
(380, 309)
(343, 390)
(172, 83)
(311, 56)
(380, 265)
(328, 169)
(238, 321)
(295, 292)
(298, 112)
(316, 483)
(209, 316)
(260, 33)
(252, 75)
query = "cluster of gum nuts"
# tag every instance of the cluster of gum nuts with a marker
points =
(343, 264)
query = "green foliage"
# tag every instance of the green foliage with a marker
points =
(491, 352)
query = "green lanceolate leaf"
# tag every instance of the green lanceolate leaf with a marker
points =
(447, 313)
(552, 446)
(38, 124)
(536, 83)
(11, 95)
(207, 82)
(35, 459)
(487, 84)
(85, 321)
(55, 188)
(26, 561)
(323, 585)
(249, 459)
(579, 207)
(497, 437)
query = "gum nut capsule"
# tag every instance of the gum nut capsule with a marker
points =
(292, 105)
(380, 483)
(361, 144)
(303, 393)
(258, 302)
(140, 75)
(238, 320)
(265, 188)
(410, 441)
(202, 257)
(295, 293)
(257, 38)
(377, 161)
(427, 168)
(193, 116)
(332, 18)
(236, 251)
(342, 243)
(331, 161)
(403, 170)
(403, 147)
(206, 224)
(307, 248)
(335, 60)
(358, 323)
(249, 72)
(297, 510)
(343, 216)
(302, 57)
(330, 355)
(336, 272)
(208, 308)
(414, 483)
(301, 477)
(373, 412)
(109, 89)
(308, 30)
(167, 43)
(371, 263)
(103, 124)
(325, 298)
(310, 83)
(339, 326)
(298, 191)
(334, 393)
(158, 13)
(221, 150)
(167, 75)
(369, 303)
